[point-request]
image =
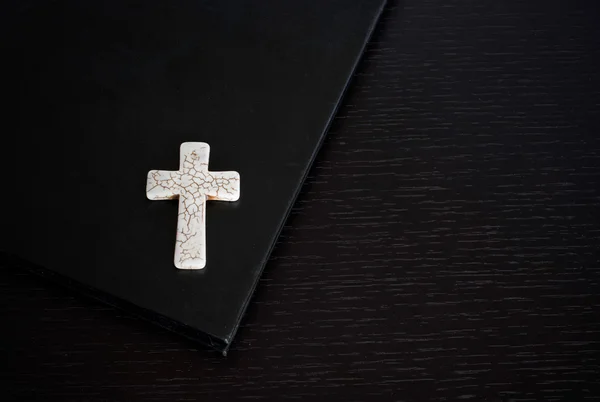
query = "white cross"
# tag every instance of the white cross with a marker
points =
(193, 184)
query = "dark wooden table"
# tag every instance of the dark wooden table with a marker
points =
(445, 246)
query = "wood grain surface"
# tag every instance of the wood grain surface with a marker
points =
(445, 246)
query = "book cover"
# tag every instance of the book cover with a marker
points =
(100, 93)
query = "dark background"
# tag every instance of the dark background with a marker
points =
(445, 245)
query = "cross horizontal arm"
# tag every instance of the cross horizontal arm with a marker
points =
(162, 185)
(224, 186)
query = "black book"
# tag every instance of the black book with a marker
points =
(99, 93)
